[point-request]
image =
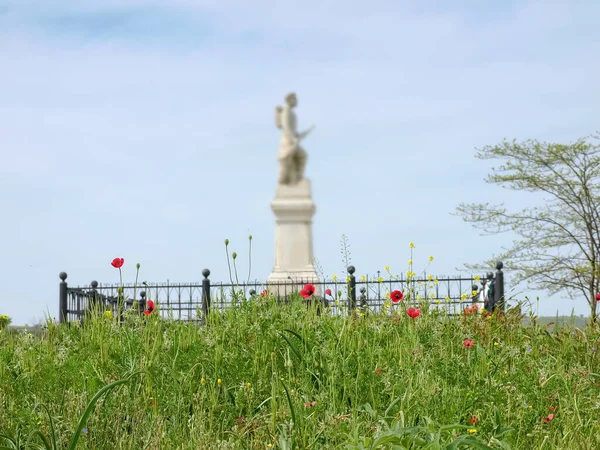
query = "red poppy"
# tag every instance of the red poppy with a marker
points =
(548, 419)
(149, 307)
(117, 263)
(308, 290)
(310, 405)
(327, 291)
(396, 296)
(598, 297)
(412, 312)
(468, 310)
(378, 371)
(474, 420)
(468, 343)
(552, 408)
(264, 293)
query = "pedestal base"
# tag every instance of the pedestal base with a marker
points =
(293, 208)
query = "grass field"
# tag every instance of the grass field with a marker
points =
(279, 376)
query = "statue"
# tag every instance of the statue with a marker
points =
(292, 157)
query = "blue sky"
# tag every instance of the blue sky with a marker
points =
(144, 130)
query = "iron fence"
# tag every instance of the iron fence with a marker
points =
(194, 301)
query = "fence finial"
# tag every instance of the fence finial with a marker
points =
(206, 273)
(63, 276)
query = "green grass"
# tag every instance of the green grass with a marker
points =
(374, 379)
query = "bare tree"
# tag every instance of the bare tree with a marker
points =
(558, 249)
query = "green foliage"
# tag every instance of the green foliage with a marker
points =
(4, 321)
(558, 245)
(263, 374)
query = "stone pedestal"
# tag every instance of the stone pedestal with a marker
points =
(294, 208)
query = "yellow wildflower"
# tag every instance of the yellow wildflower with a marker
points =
(249, 385)
(447, 298)
(430, 258)
(362, 277)
(463, 296)
(430, 277)
(419, 297)
(438, 301)
(410, 262)
(436, 281)
(334, 277)
(496, 344)
(472, 430)
(412, 245)
(387, 268)
(380, 279)
(347, 279)
(202, 380)
(476, 278)
(431, 295)
(219, 381)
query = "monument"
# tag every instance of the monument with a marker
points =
(293, 208)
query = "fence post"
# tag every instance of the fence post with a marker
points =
(205, 293)
(62, 298)
(142, 304)
(351, 289)
(487, 301)
(94, 300)
(363, 298)
(474, 294)
(499, 286)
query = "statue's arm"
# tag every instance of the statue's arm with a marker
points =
(305, 133)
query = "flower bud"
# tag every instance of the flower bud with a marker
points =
(226, 242)
(234, 255)
(137, 266)
(250, 237)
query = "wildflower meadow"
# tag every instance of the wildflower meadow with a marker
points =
(265, 374)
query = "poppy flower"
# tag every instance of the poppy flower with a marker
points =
(396, 296)
(598, 297)
(378, 371)
(149, 307)
(310, 405)
(117, 263)
(412, 312)
(552, 408)
(474, 420)
(548, 418)
(468, 343)
(468, 310)
(264, 293)
(308, 290)
(327, 291)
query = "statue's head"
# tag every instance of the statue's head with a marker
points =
(291, 99)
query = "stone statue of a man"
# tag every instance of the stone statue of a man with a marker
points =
(292, 157)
